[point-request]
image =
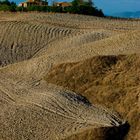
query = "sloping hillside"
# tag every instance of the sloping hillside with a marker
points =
(96, 58)
(113, 81)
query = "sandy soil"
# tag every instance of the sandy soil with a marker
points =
(69, 77)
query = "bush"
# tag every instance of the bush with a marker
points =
(21, 9)
(4, 7)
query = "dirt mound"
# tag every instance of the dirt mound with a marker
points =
(112, 81)
(49, 112)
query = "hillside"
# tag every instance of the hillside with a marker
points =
(128, 14)
(71, 77)
(112, 81)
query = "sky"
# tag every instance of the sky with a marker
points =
(110, 6)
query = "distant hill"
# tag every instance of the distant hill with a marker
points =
(128, 14)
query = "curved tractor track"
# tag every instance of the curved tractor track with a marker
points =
(21, 40)
(50, 112)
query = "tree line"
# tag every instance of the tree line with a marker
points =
(7, 6)
(77, 7)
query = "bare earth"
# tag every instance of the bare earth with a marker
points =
(69, 77)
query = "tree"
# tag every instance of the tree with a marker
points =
(4, 2)
(5, 5)
(75, 3)
(91, 3)
(86, 8)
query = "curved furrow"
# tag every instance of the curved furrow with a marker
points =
(54, 112)
(59, 36)
(74, 41)
(57, 103)
(17, 31)
(43, 40)
(55, 32)
(22, 40)
(7, 44)
(3, 32)
(79, 21)
(87, 22)
(37, 33)
(4, 26)
(52, 32)
(61, 40)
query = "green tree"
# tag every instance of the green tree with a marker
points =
(75, 3)
(86, 8)
(90, 3)
(5, 5)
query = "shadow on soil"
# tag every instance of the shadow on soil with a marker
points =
(117, 133)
